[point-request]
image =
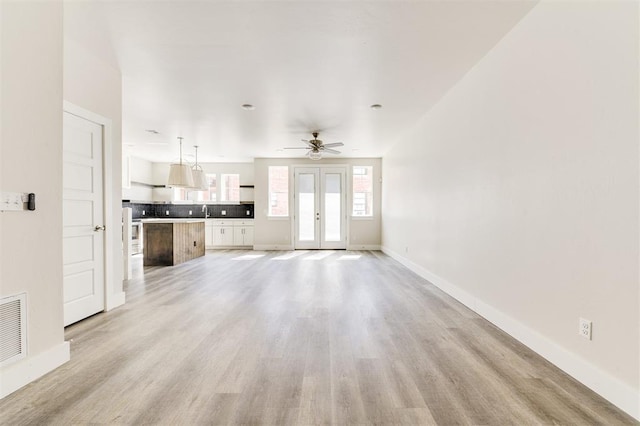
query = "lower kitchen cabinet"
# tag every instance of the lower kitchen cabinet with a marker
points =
(222, 236)
(243, 236)
(208, 235)
(228, 233)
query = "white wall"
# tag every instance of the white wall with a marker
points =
(245, 170)
(96, 85)
(31, 161)
(276, 233)
(161, 175)
(527, 207)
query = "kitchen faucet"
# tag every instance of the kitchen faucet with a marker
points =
(205, 209)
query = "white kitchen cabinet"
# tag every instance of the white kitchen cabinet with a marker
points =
(222, 236)
(243, 235)
(228, 233)
(208, 234)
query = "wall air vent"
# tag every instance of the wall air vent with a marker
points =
(13, 328)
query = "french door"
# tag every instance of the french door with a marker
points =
(320, 200)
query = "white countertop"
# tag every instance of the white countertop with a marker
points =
(172, 220)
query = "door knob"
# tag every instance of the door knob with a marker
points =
(99, 228)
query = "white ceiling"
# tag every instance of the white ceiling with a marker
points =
(187, 67)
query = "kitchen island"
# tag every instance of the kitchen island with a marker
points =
(172, 241)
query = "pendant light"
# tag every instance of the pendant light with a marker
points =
(199, 178)
(180, 174)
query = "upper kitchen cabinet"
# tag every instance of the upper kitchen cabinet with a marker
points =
(137, 179)
(140, 171)
(246, 194)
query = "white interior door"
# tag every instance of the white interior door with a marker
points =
(320, 201)
(83, 219)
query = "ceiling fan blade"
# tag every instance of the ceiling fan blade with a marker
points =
(329, 145)
(332, 151)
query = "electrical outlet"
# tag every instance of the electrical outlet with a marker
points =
(190, 212)
(584, 328)
(167, 212)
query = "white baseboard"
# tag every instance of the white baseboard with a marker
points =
(15, 376)
(115, 300)
(612, 389)
(373, 247)
(267, 247)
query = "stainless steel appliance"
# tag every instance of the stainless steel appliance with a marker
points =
(136, 238)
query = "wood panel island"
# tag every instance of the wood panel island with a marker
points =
(172, 241)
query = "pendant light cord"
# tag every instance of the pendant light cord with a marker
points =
(180, 149)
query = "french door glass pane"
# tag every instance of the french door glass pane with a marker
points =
(332, 213)
(306, 205)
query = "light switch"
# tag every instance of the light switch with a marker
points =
(223, 212)
(167, 212)
(248, 212)
(143, 212)
(190, 212)
(12, 201)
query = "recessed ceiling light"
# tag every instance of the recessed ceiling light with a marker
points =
(155, 132)
(248, 107)
(376, 106)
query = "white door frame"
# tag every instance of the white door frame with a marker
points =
(112, 297)
(320, 184)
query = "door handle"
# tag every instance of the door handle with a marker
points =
(99, 228)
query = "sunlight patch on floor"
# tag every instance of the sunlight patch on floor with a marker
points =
(350, 257)
(291, 255)
(248, 257)
(320, 255)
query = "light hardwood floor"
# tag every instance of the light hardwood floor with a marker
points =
(242, 337)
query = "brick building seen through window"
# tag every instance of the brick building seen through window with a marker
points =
(278, 191)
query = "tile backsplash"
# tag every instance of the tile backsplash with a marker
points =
(150, 210)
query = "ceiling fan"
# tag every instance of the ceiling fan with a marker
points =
(316, 147)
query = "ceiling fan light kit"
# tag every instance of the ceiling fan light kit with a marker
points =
(315, 155)
(180, 174)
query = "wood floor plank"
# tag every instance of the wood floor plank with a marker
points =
(252, 338)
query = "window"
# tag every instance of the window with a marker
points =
(362, 191)
(230, 187)
(212, 194)
(190, 194)
(186, 194)
(278, 191)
